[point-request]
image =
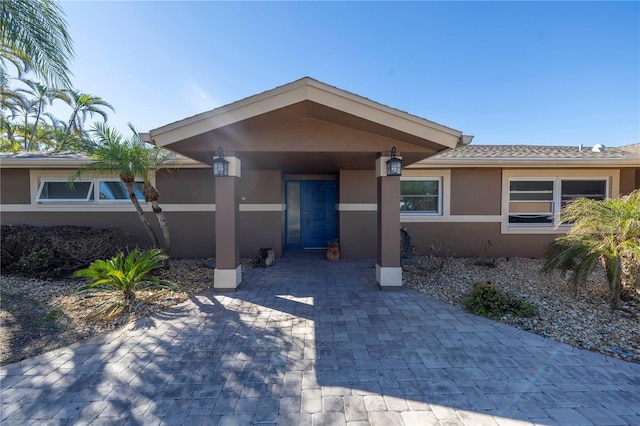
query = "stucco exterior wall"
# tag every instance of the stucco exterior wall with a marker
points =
(127, 221)
(186, 186)
(192, 234)
(357, 186)
(476, 191)
(14, 186)
(357, 215)
(468, 240)
(260, 230)
(629, 180)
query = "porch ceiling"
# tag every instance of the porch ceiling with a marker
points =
(306, 127)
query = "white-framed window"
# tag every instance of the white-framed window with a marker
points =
(96, 190)
(538, 201)
(421, 195)
(110, 190)
(59, 190)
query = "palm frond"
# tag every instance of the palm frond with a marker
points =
(34, 33)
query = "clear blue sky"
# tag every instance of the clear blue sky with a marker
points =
(547, 73)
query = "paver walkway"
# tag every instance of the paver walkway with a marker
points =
(314, 342)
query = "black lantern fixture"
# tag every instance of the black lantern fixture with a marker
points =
(394, 164)
(220, 165)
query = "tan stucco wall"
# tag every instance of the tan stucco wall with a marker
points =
(358, 234)
(627, 181)
(128, 221)
(192, 234)
(260, 187)
(358, 230)
(475, 191)
(357, 186)
(186, 186)
(467, 239)
(14, 186)
(260, 230)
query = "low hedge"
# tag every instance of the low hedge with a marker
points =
(55, 251)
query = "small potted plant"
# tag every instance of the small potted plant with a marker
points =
(333, 249)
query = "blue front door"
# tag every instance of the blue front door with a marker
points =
(311, 213)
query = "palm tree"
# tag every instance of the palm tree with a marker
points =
(607, 231)
(114, 154)
(42, 95)
(59, 139)
(33, 36)
(154, 159)
(83, 105)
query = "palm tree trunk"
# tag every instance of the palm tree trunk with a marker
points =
(151, 195)
(35, 124)
(143, 218)
(164, 225)
(614, 274)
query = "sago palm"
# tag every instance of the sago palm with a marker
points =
(606, 231)
(113, 282)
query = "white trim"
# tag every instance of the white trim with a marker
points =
(100, 208)
(389, 276)
(445, 210)
(612, 177)
(227, 279)
(439, 199)
(415, 218)
(262, 207)
(36, 176)
(87, 199)
(188, 207)
(125, 206)
(357, 207)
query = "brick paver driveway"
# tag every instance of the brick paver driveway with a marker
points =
(314, 342)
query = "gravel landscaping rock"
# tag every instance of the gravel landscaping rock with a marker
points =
(583, 320)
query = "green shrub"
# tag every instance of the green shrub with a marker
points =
(113, 282)
(491, 302)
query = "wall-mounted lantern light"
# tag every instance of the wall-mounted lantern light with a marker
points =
(220, 165)
(394, 164)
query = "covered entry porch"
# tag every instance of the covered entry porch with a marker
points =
(306, 163)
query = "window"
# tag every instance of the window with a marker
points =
(421, 195)
(60, 190)
(115, 190)
(537, 202)
(85, 191)
(574, 189)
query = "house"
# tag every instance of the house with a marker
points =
(307, 162)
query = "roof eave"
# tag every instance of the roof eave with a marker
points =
(299, 91)
(526, 162)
